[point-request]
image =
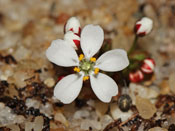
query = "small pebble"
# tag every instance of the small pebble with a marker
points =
(165, 88)
(2, 105)
(91, 103)
(38, 123)
(172, 82)
(28, 126)
(50, 82)
(142, 91)
(32, 103)
(13, 127)
(20, 119)
(90, 124)
(105, 120)
(117, 113)
(157, 129)
(101, 108)
(145, 107)
(61, 118)
(81, 114)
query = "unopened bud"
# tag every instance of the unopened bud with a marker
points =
(148, 66)
(73, 25)
(143, 26)
(136, 76)
(73, 39)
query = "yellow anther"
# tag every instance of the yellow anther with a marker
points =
(96, 70)
(93, 59)
(85, 78)
(81, 57)
(76, 69)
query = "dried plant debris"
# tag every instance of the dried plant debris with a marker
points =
(8, 59)
(27, 78)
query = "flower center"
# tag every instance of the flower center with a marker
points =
(86, 66)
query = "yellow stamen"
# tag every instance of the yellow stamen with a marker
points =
(85, 78)
(96, 71)
(76, 69)
(81, 57)
(93, 59)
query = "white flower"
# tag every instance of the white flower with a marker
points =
(144, 26)
(61, 53)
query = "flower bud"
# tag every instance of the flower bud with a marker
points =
(136, 76)
(143, 26)
(148, 66)
(73, 25)
(73, 39)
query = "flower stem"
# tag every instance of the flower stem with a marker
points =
(134, 44)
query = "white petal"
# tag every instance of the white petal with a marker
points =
(113, 60)
(62, 53)
(91, 40)
(103, 86)
(74, 24)
(67, 89)
(70, 37)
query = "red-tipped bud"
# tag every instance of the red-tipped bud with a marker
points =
(143, 26)
(148, 66)
(136, 76)
(73, 25)
(73, 39)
